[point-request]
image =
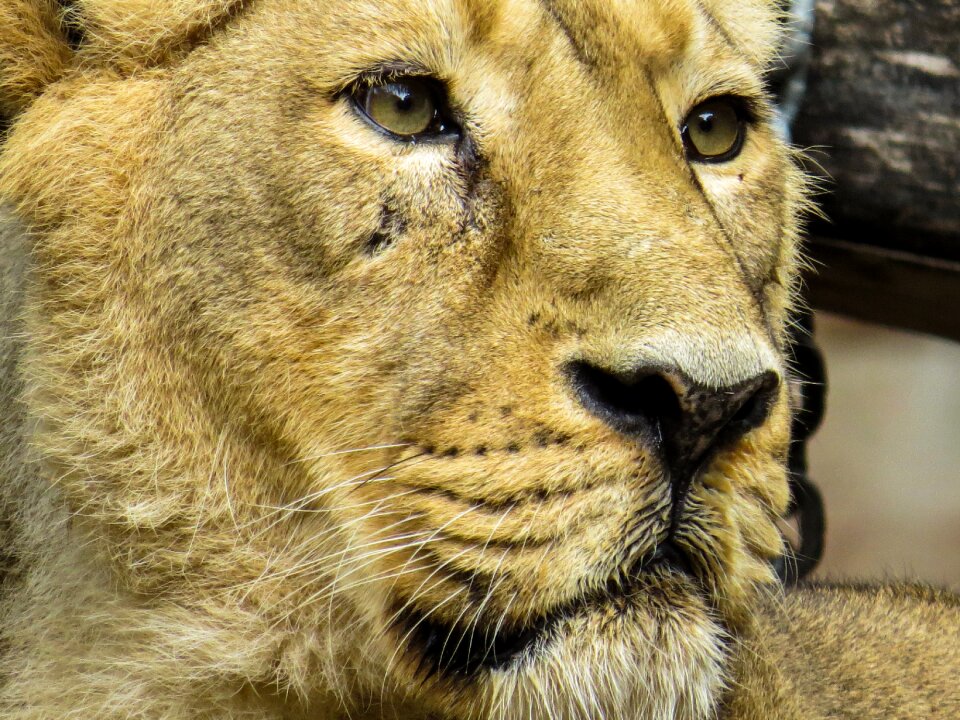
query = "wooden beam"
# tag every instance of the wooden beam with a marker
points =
(891, 287)
(881, 114)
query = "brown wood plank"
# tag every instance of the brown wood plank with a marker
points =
(882, 115)
(890, 287)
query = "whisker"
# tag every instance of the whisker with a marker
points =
(489, 592)
(310, 544)
(319, 595)
(351, 451)
(409, 632)
(360, 480)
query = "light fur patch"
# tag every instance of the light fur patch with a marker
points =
(641, 669)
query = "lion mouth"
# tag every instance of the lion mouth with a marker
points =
(447, 650)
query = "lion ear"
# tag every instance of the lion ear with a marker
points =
(139, 33)
(35, 51)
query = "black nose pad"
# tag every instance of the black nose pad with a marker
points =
(684, 419)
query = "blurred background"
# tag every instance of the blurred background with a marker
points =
(871, 90)
(887, 457)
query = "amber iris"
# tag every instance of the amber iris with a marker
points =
(714, 130)
(406, 107)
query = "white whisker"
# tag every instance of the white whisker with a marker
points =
(351, 451)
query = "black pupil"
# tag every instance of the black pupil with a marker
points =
(705, 121)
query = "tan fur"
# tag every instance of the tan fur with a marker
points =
(851, 652)
(33, 52)
(236, 439)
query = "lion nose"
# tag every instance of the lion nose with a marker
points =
(683, 419)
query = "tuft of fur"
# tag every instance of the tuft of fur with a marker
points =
(33, 52)
(281, 393)
(132, 34)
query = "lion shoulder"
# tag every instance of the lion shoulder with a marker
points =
(852, 651)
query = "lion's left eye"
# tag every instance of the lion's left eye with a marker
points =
(714, 130)
(407, 107)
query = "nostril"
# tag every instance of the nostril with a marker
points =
(684, 420)
(631, 404)
(755, 409)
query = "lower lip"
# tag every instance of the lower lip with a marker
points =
(448, 652)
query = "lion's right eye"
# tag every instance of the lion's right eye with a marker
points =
(714, 130)
(407, 107)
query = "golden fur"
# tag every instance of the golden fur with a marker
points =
(240, 440)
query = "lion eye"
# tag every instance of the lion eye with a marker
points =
(407, 107)
(714, 130)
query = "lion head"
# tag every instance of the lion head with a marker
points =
(422, 357)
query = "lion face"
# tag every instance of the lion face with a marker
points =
(420, 344)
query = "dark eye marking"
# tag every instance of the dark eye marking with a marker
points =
(392, 226)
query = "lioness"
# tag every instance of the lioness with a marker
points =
(411, 359)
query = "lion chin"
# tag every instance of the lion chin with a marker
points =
(649, 651)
